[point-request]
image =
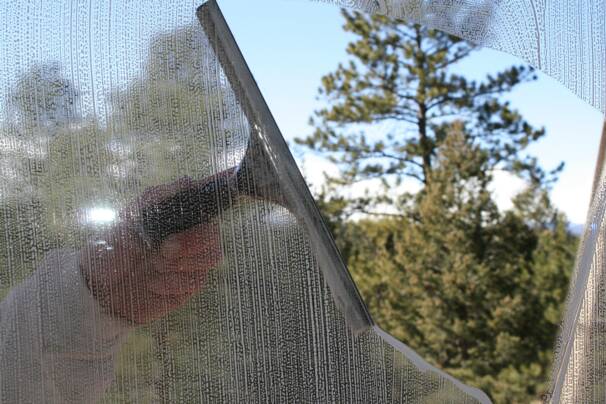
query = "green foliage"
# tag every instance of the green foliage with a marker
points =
(60, 160)
(43, 99)
(475, 290)
(399, 77)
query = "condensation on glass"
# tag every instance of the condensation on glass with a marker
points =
(157, 243)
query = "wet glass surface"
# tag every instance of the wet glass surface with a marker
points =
(157, 242)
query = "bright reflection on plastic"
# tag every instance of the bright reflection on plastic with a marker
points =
(100, 215)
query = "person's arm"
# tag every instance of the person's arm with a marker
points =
(62, 328)
(56, 343)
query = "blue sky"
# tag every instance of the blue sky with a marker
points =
(290, 44)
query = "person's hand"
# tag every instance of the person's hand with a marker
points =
(140, 284)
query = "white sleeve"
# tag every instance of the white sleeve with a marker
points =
(56, 345)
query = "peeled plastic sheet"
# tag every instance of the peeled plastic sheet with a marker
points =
(566, 39)
(580, 370)
(157, 242)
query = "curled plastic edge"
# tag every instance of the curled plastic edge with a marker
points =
(565, 367)
(298, 197)
(563, 38)
(423, 366)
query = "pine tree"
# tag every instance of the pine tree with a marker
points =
(399, 77)
(477, 291)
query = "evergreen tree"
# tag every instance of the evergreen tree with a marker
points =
(475, 290)
(399, 77)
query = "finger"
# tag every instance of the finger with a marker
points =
(156, 306)
(152, 195)
(159, 193)
(190, 264)
(201, 240)
(177, 283)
